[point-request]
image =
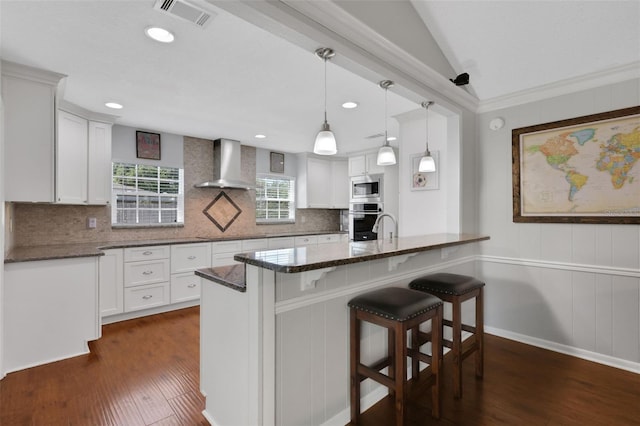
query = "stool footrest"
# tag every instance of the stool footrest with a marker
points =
(465, 327)
(365, 372)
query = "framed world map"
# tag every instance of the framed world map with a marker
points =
(581, 170)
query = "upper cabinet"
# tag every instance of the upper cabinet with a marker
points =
(83, 157)
(364, 164)
(322, 183)
(52, 156)
(29, 97)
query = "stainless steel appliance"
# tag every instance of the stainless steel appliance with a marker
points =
(362, 217)
(367, 188)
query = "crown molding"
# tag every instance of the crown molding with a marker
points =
(563, 87)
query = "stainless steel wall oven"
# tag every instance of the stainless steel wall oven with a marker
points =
(362, 216)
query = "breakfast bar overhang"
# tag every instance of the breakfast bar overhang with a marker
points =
(274, 340)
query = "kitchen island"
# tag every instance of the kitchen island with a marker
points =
(275, 349)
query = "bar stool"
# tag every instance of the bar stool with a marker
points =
(398, 310)
(455, 289)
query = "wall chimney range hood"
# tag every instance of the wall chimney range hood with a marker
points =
(226, 167)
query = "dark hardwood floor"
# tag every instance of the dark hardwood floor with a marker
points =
(145, 372)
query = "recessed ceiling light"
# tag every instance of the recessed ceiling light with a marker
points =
(113, 105)
(260, 136)
(391, 138)
(350, 105)
(159, 34)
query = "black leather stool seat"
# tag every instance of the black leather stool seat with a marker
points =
(445, 283)
(395, 303)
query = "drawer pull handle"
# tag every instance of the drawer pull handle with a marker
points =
(147, 297)
(147, 253)
(191, 257)
(191, 286)
(147, 273)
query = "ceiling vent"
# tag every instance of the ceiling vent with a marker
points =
(377, 135)
(186, 10)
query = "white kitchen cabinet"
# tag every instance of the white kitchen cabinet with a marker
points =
(306, 240)
(29, 97)
(364, 164)
(146, 296)
(189, 257)
(71, 159)
(322, 184)
(185, 287)
(223, 252)
(147, 276)
(111, 281)
(329, 238)
(281, 243)
(99, 163)
(83, 157)
(51, 310)
(255, 245)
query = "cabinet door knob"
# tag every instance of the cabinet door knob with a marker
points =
(147, 297)
(147, 253)
(147, 273)
(191, 257)
(191, 286)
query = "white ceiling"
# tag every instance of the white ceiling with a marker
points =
(234, 80)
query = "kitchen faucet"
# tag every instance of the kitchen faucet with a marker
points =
(376, 225)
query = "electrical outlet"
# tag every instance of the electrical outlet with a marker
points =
(92, 223)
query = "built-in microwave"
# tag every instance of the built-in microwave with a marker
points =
(366, 188)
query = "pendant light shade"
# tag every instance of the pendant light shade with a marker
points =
(325, 140)
(427, 164)
(386, 155)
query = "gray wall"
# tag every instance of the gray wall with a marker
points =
(571, 287)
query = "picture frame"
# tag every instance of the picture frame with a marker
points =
(276, 161)
(147, 145)
(580, 170)
(424, 181)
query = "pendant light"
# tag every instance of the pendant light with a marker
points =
(325, 140)
(427, 164)
(386, 156)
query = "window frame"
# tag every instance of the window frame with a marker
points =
(291, 211)
(138, 195)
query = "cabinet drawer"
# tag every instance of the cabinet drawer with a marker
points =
(234, 247)
(223, 259)
(189, 257)
(331, 238)
(134, 254)
(139, 273)
(306, 240)
(255, 245)
(281, 242)
(146, 296)
(185, 287)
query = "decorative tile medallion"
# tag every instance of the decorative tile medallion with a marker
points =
(222, 211)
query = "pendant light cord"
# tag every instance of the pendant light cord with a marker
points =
(325, 89)
(426, 106)
(386, 137)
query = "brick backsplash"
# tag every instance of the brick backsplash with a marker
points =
(44, 224)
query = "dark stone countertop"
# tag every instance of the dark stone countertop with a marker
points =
(302, 259)
(231, 276)
(65, 251)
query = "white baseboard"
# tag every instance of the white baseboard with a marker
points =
(48, 361)
(146, 312)
(611, 361)
(366, 402)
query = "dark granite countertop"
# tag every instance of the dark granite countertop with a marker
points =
(302, 259)
(65, 251)
(231, 276)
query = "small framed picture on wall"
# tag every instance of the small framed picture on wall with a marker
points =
(147, 145)
(277, 162)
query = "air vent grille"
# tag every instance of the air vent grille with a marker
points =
(376, 136)
(185, 10)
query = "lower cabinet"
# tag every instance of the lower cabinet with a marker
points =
(185, 287)
(111, 278)
(146, 296)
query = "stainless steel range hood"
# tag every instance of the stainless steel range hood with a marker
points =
(226, 167)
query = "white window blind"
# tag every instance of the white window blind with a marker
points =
(145, 195)
(275, 199)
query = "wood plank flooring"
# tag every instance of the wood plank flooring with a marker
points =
(145, 372)
(141, 372)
